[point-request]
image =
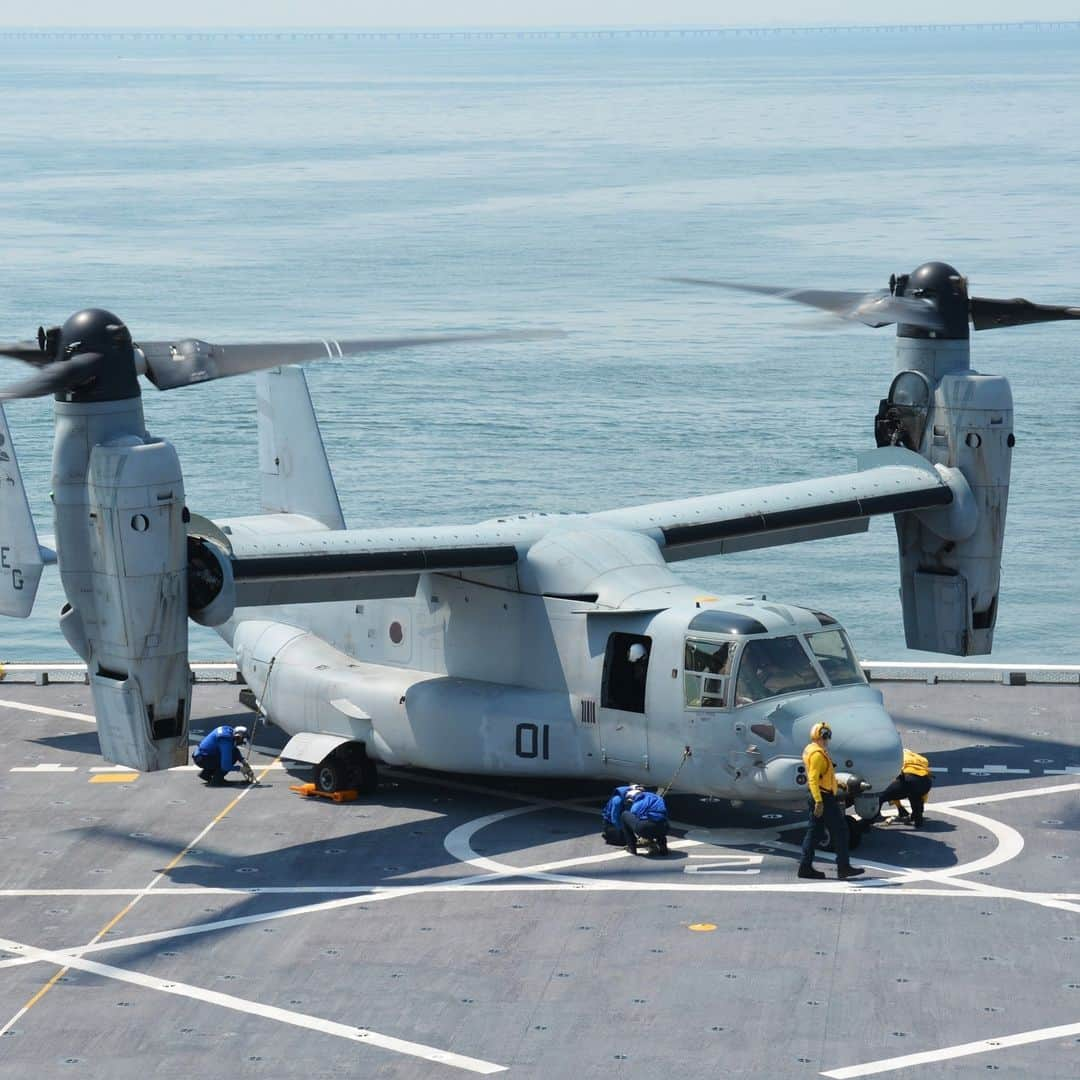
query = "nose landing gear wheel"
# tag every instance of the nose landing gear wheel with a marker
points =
(854, 835)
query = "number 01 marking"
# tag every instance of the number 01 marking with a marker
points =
(532, 741)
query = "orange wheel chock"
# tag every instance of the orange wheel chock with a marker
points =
(309, 790)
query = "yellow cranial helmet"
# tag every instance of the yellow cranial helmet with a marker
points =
(821, 730)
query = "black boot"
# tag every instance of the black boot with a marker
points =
(810, 872)
(843, 872)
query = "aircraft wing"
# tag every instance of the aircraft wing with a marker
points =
(359, 564)
(294, 567)
(890, 480)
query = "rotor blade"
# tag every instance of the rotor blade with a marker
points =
(27, 351)
(182, 363)
(987, 314)
(872, 309)
(53, 378)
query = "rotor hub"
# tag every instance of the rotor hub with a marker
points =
(946, 288)
(95, 332)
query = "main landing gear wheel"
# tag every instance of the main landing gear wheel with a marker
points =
(854, 835)
(330, 775)
(347, 769)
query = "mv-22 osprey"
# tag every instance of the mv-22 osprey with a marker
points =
(534, 645)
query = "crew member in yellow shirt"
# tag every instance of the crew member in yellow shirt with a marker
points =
(913, 784)
(826, 809)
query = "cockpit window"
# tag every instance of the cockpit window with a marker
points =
(707, 665)
(837, 660)
(772, 666)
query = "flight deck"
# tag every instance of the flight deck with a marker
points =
(455, 925)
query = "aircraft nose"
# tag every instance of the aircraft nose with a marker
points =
(865, 742)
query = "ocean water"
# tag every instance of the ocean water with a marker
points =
(256, 190)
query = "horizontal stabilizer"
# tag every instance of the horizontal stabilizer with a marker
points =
(21, 559)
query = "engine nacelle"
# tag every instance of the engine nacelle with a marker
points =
(138, 638)
(958, 420)
(119, 512)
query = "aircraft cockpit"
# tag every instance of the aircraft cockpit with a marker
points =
(755, 677)
(737, 670)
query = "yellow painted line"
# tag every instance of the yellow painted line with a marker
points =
(114, 778)
(702, 927)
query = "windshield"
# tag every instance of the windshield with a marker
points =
(772, 666)
(835, 655)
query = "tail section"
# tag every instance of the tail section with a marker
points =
(21, 558)
(294, 473)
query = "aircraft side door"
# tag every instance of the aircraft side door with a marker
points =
(623, 722)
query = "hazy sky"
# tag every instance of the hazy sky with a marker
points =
(417, 13)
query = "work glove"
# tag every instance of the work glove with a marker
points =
(819, 809)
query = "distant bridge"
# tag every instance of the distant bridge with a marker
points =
(529, 34)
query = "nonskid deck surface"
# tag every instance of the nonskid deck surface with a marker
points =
(453, 925)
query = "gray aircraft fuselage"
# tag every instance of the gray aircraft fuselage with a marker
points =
(473, 675)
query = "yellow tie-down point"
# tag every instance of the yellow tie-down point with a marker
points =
(308, 790)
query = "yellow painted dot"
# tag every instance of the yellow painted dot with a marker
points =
(702, 927)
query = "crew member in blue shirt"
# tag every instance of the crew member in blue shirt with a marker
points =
(647, 818)
(612, 816)
(219, 752)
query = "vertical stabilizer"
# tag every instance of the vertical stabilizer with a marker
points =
(294, 473)
(20, 556)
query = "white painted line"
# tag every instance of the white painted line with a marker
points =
(269, 1012)
(24, 707)
(1005, 796)
(492, 882)
(1069, 770)
(198, 665)
(134, 900)
(998, 769)
(489, 886)
(276, 766)
(44, 767)
(465, 886)
(915, 665)
(1002, 1042)
(51, 768)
